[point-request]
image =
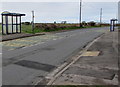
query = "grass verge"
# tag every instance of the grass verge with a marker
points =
(28, 29)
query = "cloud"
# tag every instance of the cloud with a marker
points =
(58, 11)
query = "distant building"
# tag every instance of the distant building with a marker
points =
(64, 22)
(119, 12)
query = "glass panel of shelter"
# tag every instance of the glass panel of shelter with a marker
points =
(4, 29)
(4, 19)
(10, 24)
(18, 24)
(4, 24)
(14, 24)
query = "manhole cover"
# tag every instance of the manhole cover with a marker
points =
(91, 53)
(35, 65)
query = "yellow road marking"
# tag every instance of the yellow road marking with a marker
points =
(91, 53)
(15, 45)
(24, 40)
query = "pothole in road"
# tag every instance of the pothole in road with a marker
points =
(36, 65)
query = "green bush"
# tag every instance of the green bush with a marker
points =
(92, 23)
(26, 23)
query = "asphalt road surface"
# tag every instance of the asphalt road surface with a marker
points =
(27, 64)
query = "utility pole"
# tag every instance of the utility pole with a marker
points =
(100, 16)
(80, 13)
(33, 21)
(119, 14)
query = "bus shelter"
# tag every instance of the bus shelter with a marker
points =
(11, 23)
(112, 24)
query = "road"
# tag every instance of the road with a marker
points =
(25, 65)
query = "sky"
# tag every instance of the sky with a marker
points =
(48, 12)
(119, 13)
(59, 0)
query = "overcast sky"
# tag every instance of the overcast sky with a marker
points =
(59, 11)
(59, 0)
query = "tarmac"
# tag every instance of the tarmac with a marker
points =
(24, 35)
(99, 65)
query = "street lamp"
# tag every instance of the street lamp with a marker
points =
(100, 16)
(119, 14)
(80, 13)
(33, 21)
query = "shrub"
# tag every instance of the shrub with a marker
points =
(53, 26)
(26, 23)
(62, 27)
(49, 27)
(84, 23)
(92, 23)
(40, 26)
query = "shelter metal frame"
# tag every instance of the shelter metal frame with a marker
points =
(15, 25)
(112, 24)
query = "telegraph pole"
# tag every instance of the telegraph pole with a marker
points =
(100, 16)
(33, 21)
(80, 13)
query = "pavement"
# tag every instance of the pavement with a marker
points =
(98, 65)
(31, 63)
(17, 36)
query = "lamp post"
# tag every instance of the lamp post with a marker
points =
(80, 13)
(33, 21)
(119, 14)
(100, 16)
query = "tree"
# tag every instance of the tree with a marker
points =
(84, 23)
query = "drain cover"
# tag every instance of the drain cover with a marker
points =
(35, 65)
(91, 53)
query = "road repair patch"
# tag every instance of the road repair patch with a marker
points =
(35, 65)
(91, 53)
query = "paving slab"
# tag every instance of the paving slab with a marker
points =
(72, 79)
(103, 74)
